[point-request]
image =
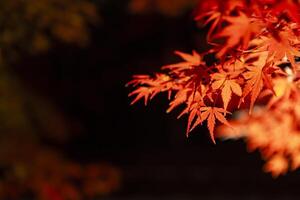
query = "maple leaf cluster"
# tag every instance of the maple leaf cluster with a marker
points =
(273, 129)
(255, 44)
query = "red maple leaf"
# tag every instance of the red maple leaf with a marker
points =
(211, 114)
(238, 33)
(228, 85)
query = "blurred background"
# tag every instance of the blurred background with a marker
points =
(68, 131)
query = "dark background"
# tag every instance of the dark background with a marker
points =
(149, 146)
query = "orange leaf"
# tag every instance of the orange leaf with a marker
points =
(238, 33)
(227, 86)
(211, 114)
(277, 165)
(256, 75)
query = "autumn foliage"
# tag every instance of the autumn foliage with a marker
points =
(255, 45)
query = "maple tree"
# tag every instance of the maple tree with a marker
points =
(255, 45)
